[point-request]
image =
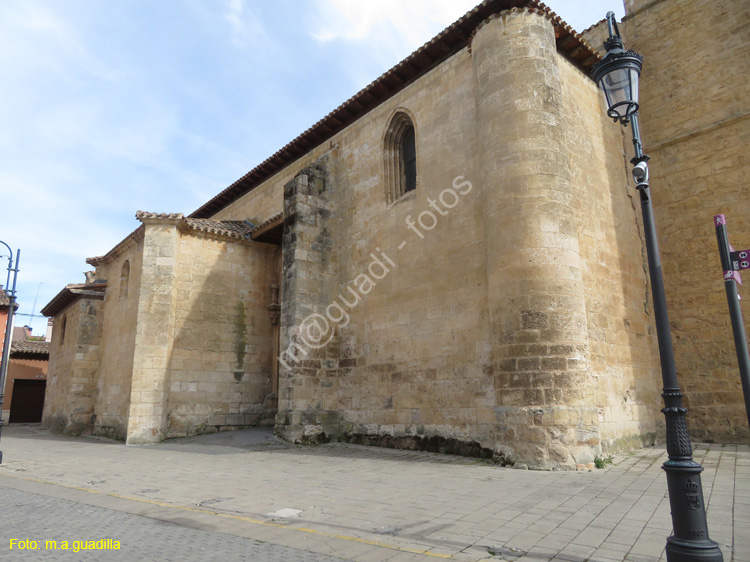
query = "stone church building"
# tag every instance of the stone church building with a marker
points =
(451, 260)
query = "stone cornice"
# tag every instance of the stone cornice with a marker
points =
(159, 218)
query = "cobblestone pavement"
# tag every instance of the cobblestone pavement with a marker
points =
(50, 521)
(373, 504)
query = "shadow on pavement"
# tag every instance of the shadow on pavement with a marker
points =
(254, 439)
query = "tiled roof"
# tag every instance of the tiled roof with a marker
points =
(274, 218)
(29, 347)
(270, 231)
(238, 230)
(445, 44)
(71, 293)
(231, 229)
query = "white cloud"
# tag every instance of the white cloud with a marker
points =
(245, 29)
(414, 21)
(31, 31)
(377, 35)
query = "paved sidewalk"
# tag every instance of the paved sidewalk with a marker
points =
(371, 504)
(49, 522)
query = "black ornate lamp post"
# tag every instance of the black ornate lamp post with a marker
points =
(617, 74)
(8, 329)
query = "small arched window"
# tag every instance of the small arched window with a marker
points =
(62, 329)
(124, 279)
(400, 152)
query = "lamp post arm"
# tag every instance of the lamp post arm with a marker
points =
(614, 31)
(15, 272)
(637, 144)
(10, 263)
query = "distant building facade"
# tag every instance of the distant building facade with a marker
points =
(26, 378)
(451, 260)
(26, 381)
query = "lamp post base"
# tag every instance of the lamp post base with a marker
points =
(689, 551)
(690, 541)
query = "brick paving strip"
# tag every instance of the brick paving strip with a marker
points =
(372, 504)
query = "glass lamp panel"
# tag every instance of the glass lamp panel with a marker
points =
(617, 88)
(634, 85)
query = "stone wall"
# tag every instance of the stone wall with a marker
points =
(203, 339)
(74, 361)
(696, 127)
(412, 337)
(621, 342)
(501, 308)
(536, 293)
(114, 378)
(261, 203)
(309, 340)
(220, 365)
(147, 421)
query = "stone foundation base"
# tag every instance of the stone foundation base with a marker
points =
(66, 426)
(307, 428)
(549, 437)
(537, 438)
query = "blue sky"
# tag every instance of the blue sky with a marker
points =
(112, 107)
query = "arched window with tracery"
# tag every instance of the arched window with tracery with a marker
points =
(124, 279)
(400, 157)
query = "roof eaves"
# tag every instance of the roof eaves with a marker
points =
(269, 231)
(237, 230)
(272, 221)
(72, 293)
(29, 349)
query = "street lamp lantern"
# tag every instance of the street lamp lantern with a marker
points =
(617, 75)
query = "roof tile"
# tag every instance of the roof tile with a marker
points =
(29, 347)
